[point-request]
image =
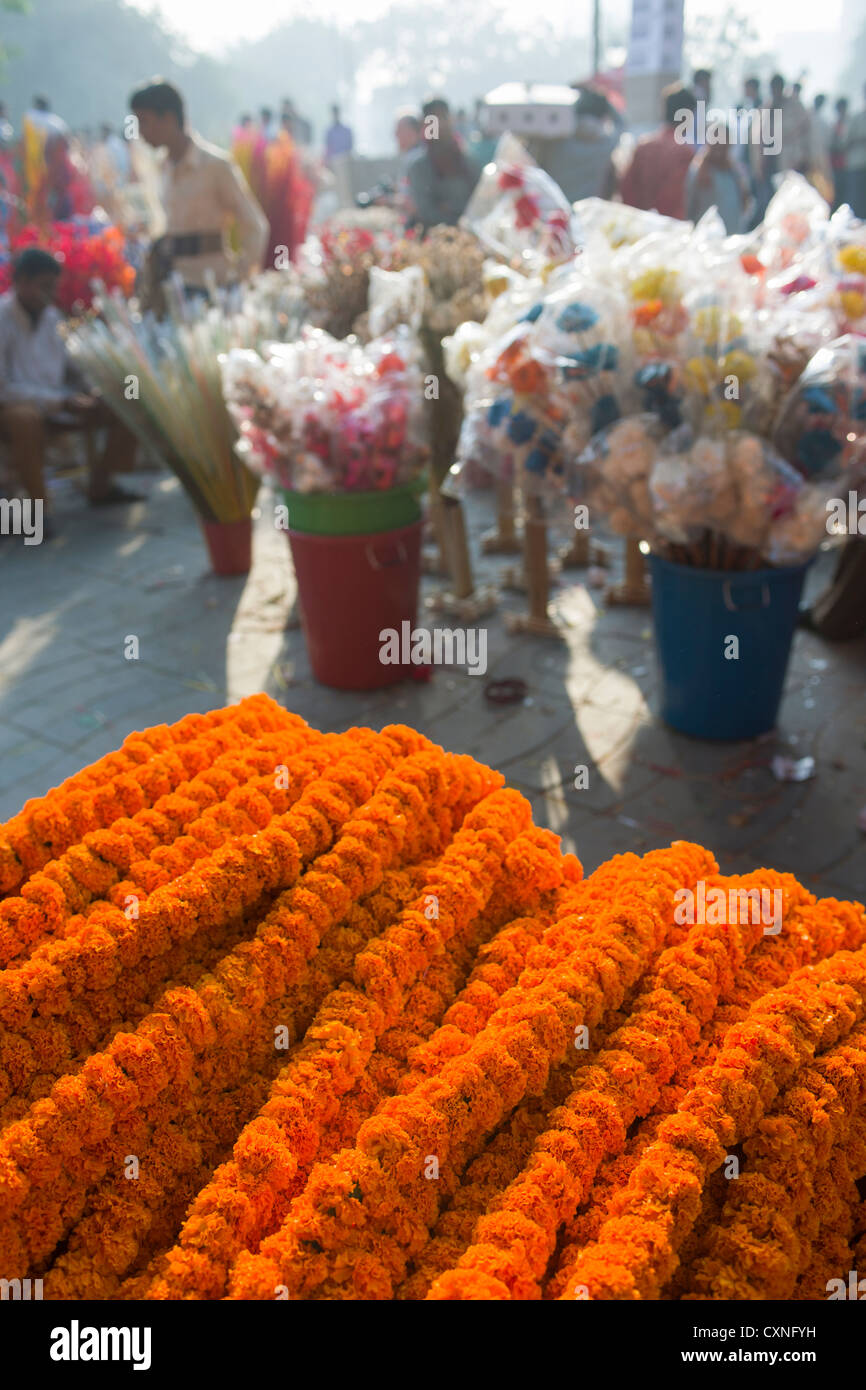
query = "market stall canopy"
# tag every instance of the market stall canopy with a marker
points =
(529, 109)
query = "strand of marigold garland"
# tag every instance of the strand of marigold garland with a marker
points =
(148, 764)
(833, 1246)
(140, 1068)
(499, 968)
(329, 1232)
(241, 871)
(505, 1154)
(501, 962)
(755, 1251)
(554, 946)
(137, 1287)
(535, 875)
(59, 1047)
(337, 1047)
(512, 1246)
(90, 968)
(811, 931)
(471, 1191)
(155, 845)
(636, 1253)
(123, 1217)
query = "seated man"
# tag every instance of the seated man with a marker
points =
(38, 389)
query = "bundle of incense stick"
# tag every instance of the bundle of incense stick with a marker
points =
(712, 551)
(163, 380)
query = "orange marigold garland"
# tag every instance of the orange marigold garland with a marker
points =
(497, 1079)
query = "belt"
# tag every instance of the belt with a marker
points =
(193, 244)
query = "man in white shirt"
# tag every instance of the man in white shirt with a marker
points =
(38, 387)
(204, 196)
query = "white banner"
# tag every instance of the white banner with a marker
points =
(656, 37)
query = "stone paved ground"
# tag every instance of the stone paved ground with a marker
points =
(67, 695)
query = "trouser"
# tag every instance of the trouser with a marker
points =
(27, 429)
(840, 612)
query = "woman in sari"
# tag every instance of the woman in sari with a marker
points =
(288, 197)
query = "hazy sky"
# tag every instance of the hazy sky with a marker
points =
(210, 24)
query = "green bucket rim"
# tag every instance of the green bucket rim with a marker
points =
(355, 513)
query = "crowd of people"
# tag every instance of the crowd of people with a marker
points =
(731, 160)
(699, 157)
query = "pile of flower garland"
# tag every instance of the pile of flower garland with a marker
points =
(306, 1016)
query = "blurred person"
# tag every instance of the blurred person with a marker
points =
(110, 168)
(461, 124)
(263, 133)
(745, 152)
(769, 161)
(855, 162)
(298, 126)
(43, 118)
(839, 613)
(68, 191)
(716, 178)
(118, 151)
(268, 124)
(243, 146)
(441, 175)
(656, 175)
(38, 124)
(797, 132)
(338, 137)
(702, 83)
(481, 147)
(288, 197)
(41, 389)
(838, 141)
(9, 183)
(408, 137)
(819, 154)
(407, 134)
(204, 197)
(581, 163)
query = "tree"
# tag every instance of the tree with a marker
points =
(851, 81)
(728, 45)
(87, 55)
(19, 7)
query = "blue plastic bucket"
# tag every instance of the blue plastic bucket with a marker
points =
(696, 612)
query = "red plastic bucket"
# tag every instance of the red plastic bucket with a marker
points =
(350, 588)
(230, 545)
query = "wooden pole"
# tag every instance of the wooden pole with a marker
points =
(537, 620)
(503, 539)
(634, 591)
(458, 548)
